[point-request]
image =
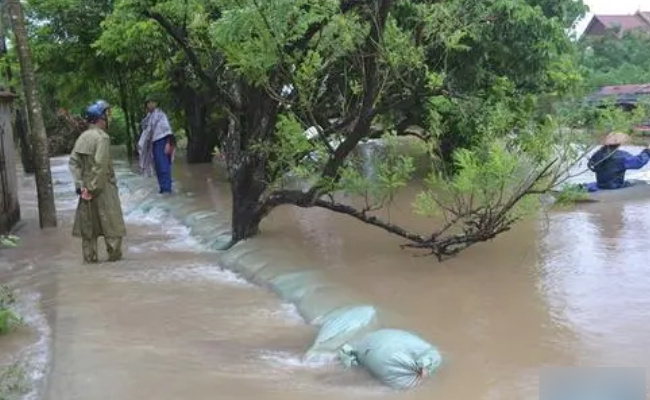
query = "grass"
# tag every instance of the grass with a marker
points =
(8, 319)
(9, 241)
(13, 382)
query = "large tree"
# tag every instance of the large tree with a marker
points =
(45, 192)
(461, 76)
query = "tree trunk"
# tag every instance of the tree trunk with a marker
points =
(26, 153)
(196, 105)
(124, 104)
(246, 211)
(201, 139)
(45, 193)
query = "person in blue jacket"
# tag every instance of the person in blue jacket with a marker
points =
(610, 162)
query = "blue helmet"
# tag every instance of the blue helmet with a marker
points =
(103, 103)
(96, 111)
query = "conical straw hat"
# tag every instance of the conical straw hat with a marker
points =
(615, 139)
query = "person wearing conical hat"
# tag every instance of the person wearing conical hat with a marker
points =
(609, 163)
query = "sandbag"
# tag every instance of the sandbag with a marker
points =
(245, 260)
(292, 287)
(321, 301)
(272, 270)
(221, 242)
(397, 358)
(340, 327)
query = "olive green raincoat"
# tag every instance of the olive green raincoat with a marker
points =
(92, 168)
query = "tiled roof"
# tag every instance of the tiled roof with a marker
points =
(625, 22)
(624, 90)
(639, 20)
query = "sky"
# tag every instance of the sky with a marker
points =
(612, 7)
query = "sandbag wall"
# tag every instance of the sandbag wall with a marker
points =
(348, 329)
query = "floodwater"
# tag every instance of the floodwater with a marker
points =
(569, 289)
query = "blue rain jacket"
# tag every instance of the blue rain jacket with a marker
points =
(610, 165)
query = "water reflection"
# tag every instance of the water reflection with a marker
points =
(596, 280)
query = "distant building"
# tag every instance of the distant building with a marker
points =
(600, 24)
(627, 97)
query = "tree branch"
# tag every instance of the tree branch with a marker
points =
(365, 116)
(181, 39)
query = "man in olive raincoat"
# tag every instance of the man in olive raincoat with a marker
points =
(99, 212)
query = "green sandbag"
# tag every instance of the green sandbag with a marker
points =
(321, 301)
(340, 327)
(251, 264)
(292, 287)
(272, 270)
(218, 238)
(221, 242)
(244, 259)
(193, 218)
(238, 251)
(397, 358)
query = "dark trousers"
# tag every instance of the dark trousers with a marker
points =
(163, 165)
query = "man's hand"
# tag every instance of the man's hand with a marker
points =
(168, 148)
(85, 194)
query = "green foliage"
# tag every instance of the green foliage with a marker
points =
(391, 169)
(9, 240)
(117, 127)
(571, 194)
(8, 319)
(614, 60)
(487, 86)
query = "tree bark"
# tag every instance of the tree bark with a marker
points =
(45, 193)
(26, 153)
(196, 105)
(246, 191)
(124, 104)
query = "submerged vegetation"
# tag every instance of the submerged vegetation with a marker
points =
(13, 382)
(8, 318)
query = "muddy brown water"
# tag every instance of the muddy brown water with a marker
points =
(166, 323)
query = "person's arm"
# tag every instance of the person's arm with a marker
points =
(638, 161)
(75, 170)
(99, 173)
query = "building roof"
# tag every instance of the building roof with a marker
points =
(624, 90)
(638, 20)
(620, 94)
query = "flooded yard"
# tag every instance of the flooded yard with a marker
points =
(570, 288)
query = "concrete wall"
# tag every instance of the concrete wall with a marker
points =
(9, 206)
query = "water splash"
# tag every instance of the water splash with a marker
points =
(187, 273)
(36, 357)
